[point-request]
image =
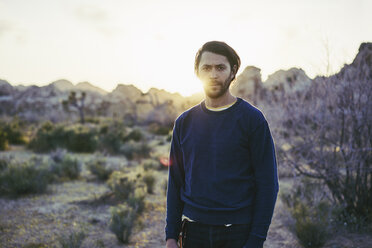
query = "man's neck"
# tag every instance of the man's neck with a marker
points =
(226, 99)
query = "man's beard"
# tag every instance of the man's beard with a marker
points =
(224, 87)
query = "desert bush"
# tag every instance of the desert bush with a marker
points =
(158, 129)
(35, 245)
(352, 222)
(67, 168)
(98, 167)
(329, 129)
(311, 211)
(137, 200)
(129, 188)
(81, 139)
(20, 178)
(76, 138)
(58, 155)
(122, 221)
(72, 240)
(3, 164)
(135, 135)
(100, 243)
(124, 216)
(3, 140)
(311, 234)
(48, 137)
(135, 150)
(112, 137)
(14, 133)
(93, 120)
(122, 185)
(151, 164)
(149, 180)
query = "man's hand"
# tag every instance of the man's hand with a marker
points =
(172, 243)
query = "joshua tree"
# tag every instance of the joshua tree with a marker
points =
(75, 102)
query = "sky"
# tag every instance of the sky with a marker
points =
(152, 43)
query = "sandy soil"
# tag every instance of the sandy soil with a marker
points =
(37, 220)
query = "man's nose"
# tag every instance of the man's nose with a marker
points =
(213, 73)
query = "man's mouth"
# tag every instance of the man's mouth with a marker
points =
(214, 84)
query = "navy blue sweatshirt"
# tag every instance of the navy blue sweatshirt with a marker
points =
(222, 170)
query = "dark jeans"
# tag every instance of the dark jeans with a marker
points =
(215, 236)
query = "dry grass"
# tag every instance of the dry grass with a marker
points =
(42, 219)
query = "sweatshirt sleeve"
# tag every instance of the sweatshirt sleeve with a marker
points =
(175, 183)
(267, 186)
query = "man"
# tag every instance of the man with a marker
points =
(223, 179)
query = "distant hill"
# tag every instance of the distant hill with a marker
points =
(129, 103)
(65, 85)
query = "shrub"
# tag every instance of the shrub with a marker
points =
(48, 138)
(312, 213)
(23, 178)
(129, 188)
(110, 143)
(311, 225)
(72, 240)
(137, 200)
(351, 221)
(311, 234)
(77, 139)
(3, 140)
(122, 221)
(3, 164)
(149, 180)
(151, 164)
(99, 168)
(82, 139)
(36, 245)
(133, 150)
(58, 155)
(330, 136)
(100, 243)
(159, 129)
(121, 185)
(14, 134)
(93, 120)
(68, 168)
(112, 137)
(135, 135)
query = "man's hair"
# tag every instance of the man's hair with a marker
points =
(220, 48)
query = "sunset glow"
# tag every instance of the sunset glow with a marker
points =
(153, 43)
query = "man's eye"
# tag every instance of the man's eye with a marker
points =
(206, 68)
(221, 68)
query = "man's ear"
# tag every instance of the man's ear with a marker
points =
(234, 69)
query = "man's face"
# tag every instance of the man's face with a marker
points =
(215, 73)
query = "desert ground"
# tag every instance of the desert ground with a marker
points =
(41, 220)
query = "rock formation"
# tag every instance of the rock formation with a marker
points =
(128, 103)
(248, 84)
